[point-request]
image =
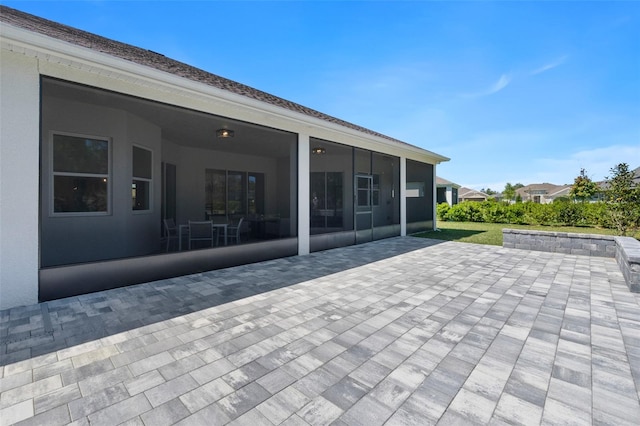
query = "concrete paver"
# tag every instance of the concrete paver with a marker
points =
(401, 331)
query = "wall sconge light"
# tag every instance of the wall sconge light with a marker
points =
(318, 150)
(225, 133)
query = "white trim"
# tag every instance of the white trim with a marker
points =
(52, 174)
(434, 202)
(304, 210)
(403, 196)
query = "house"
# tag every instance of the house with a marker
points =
(104, 146)
(498, 196)
(542, 192)
(564, 191)
(446, 191)
(468, 194)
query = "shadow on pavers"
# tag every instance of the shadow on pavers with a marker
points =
(35, 330)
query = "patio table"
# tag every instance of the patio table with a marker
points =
(183, 228)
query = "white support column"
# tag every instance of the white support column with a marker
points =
(403, 196)
(303, 194)
(19, 179)
(449, 195)
(434, 200)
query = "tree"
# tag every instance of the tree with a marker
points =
(509, 192)
(488, 191)
(583, 187)
(623, 199)
(518, 186)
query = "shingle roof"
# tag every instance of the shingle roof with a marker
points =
(441, 181)
(160, 62)
(560, 190)
(547, 188)
(471, 193)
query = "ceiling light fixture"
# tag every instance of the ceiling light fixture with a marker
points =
(225, 133)
(318, 150)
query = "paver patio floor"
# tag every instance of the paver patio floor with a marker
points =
(404, 331)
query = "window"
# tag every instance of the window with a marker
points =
(216, 192)
(236, 193)
(80, 174)
(233, 193)
(255, 194)
(141, 183)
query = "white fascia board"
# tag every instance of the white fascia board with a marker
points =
(62, 52)
(445, 185)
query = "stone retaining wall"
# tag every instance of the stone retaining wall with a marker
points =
(625, 250)
(560, 242)
(628, 258)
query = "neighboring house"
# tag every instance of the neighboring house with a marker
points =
(467, 194)
(563, 192)
(540, 192)
(446, 191)
(102, 142)
(497, 196)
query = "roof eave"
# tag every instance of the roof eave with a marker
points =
(40, 45)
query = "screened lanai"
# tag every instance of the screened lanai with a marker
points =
(116, 170)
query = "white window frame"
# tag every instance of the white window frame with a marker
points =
(150, 181)
(53, 174)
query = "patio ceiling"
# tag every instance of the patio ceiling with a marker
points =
(179, 125)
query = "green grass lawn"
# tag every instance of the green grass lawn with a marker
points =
(491, 233)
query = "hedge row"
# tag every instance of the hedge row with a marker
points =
(528, 213)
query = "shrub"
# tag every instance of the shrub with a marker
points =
(467, 211)
(516, 214)
(563, 199)
(560, 212)
(539, 214)
(494, 212)
(596, 214)
(569, 213)
(441, 210)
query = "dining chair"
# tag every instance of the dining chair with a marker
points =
(233, 231)
(202, 231)
(170, 231)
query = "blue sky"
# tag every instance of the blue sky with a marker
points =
(524, 92)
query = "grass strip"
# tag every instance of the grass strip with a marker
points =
(491, 233)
